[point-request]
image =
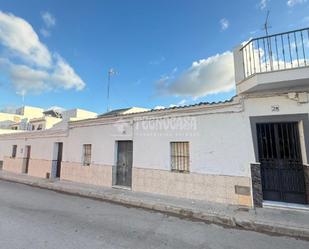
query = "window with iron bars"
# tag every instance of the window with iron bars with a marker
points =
(87, 154)
(14, 151)
(180, 157)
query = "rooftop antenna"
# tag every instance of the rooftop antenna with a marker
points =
(111, 72)
(266, 26)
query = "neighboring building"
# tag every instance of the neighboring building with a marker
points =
(19, 119)
(73, 115)
(47, 121)
(251, 150)
(29, 118)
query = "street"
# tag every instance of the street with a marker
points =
(32, 218)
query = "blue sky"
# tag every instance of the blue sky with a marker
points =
(165, 52)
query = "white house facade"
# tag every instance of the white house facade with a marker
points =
(247, 151)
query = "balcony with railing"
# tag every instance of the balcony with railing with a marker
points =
(273, 62)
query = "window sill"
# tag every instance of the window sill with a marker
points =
(181, 172)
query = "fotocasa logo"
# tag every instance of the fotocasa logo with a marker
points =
(167, 124)
(143, 124)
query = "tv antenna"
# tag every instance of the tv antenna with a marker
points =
(266, 26)
(110, 73)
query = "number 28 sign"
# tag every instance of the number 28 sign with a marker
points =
(275, 108)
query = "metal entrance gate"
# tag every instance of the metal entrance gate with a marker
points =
(124, 163)
(59, 159)
(282, 171)
(27, 159)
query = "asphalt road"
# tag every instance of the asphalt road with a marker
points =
(32, 218)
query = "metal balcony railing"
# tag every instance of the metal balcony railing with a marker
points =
(276, 52)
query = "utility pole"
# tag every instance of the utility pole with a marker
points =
(110, 73)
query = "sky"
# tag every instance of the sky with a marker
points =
(163, 52)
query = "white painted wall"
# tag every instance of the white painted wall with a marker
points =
(102, 138)
(261, 106)
(221, 144)
(214, 138)
(41, 147)
(220, 139)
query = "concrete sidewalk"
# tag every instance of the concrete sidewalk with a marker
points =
(293, 223)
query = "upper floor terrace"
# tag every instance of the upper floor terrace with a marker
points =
(278, 62)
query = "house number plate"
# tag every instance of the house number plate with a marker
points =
(275, 108)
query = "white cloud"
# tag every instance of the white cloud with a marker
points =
(208, 76)
(18, 36)
(45, 32)
(26, 79)
(182, 102)
(159, 107)
(292, 3)
(224, 24)
(65, 77)
(29, 65)
(48, 19)
(263, 4)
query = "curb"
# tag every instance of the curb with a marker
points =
(218, 219)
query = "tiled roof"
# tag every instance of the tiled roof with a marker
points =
(114, 112)
(193, 105)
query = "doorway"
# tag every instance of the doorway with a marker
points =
(282, 170)
(27, 158)
(124, 163)
(58, 148)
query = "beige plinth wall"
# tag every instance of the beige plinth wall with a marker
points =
(39, 167)
(100, 175)
(14, 165)
(214, 188)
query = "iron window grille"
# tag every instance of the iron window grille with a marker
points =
(180, 157)
(87, 154)
(14, 151)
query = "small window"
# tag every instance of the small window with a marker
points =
(14, 151)
(87, 154)
(180, 157)
(40, 127)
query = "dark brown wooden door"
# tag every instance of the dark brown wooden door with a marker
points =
(124, 163)
(59, 159)
(282, 171)
(28, 155)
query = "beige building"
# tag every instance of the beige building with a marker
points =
(19, 119)
(29, 118)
